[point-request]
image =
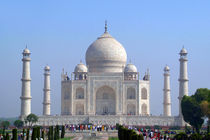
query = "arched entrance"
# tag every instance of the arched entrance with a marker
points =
(105, 101)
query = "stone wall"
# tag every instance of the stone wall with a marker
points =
(110, 120)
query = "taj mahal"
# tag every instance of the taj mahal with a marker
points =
(105, 90)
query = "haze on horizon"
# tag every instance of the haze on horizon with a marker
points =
(58, 34)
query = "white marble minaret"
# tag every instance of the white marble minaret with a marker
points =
(26, 85)
(46, 100)
(183, 77)
(166, 90)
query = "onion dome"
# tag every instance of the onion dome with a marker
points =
(106, 54)
(26, 51)
(183, 51)
(166, 68)
(130, 68)
(80, 68)
(47, 68)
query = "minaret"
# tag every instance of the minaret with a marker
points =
(166, 96)
(26, 85)
(46, 100)
(183, 77)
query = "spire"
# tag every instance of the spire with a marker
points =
(105, 26)
(130, 61)
(26, 46)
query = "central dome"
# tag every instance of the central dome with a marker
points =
(106, 55)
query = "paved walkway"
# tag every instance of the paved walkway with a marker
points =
(90, 138)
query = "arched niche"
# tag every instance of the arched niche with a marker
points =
(131, 93)
(79, 93)
(144, 93)
(144, 109)
(79, 109)
(105, 101)
(131, 109)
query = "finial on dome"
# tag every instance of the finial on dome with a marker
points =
(63, 71)
(147, 71)
(26, 46)
(80, 61)
(105, 26)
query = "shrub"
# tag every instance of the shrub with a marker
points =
(7, 137)
(175, 128)
(157, 127)
(27, 134)
(34, 133)
(23, 136)
(127, 134)
(206, 137)
(195, 136)
(181, 136)
(208, 129)
(50, 133)
(117, 126)
(148, 127)
(134, 137)
(14, 134)
(63, 131)
(140, 137)
(57, 132)
(38, 132)
(42, 134)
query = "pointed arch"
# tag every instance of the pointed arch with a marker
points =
(144, 109)
(79, 93)
(144, 93)
(131, 93)
(131, 109)
(79, 109)
(105, 101)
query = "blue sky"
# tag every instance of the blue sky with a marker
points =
(59, 32)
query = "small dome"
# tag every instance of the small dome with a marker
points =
(47, 67)
(26, 50)
(80, 68)
(183, 51)
(166, 68)
(130, 68)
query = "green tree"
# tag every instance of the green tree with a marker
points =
(5, 124)
(18, 123)
(195, 107)
(31, 119)
(192, 112)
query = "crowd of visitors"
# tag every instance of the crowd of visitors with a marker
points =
(82, 127)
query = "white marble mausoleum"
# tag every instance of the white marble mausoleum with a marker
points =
(105, 90)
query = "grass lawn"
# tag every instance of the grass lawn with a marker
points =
(69, 138)
(113, 138)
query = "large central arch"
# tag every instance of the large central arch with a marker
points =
(105, 101)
